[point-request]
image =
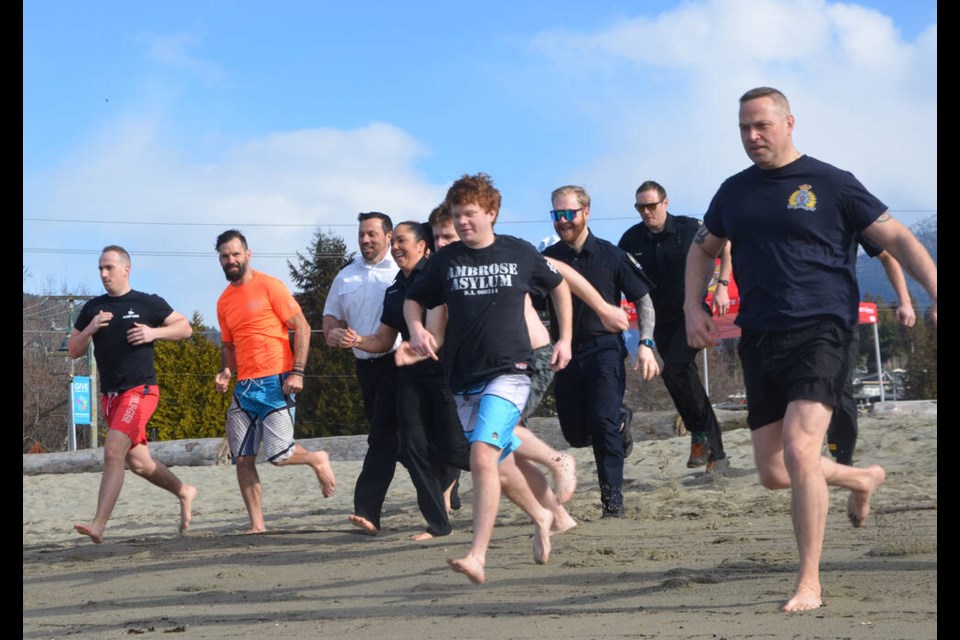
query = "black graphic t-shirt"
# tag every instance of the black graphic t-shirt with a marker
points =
(794, 242)
(484, 291)
(122, 365)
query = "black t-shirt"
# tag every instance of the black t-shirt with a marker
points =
(393, 298)
(122, 365)
(794, 240)
(484, 290)
(663, 257)
(871, 248)
(610, 270)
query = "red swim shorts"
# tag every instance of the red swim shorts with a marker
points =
(129, 411)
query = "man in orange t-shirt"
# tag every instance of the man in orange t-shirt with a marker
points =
(255, 312)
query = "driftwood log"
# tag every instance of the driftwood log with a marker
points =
(652, 425)
(189, 453)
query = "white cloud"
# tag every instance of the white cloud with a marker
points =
(864, 98)
(291, 182)
(174, 50)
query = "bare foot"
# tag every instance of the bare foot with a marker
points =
(324, 471)
(805, 599)
(423, 535)
(564, 472)
(252, 531)
(426, 535)
(858, 504)
(188, 494)
(470, 568)
(562, 521)
(363, 523)
(90, 531)
(541, 540)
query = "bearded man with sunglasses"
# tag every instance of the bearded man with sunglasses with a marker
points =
(660, 244)
(589, 392)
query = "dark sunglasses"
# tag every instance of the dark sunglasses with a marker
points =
(649, 206)
(564, 214)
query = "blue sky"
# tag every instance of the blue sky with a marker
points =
(157, 125)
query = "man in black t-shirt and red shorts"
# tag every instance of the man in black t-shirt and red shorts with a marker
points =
(123, 325)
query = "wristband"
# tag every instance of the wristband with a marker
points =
(297, 372)
(647, 342)
(725, 283)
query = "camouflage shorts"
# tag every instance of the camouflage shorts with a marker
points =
(540, 382)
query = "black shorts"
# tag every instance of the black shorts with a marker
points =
(782, 366)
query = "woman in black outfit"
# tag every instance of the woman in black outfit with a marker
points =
(433, 447)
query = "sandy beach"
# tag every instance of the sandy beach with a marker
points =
(696, 557)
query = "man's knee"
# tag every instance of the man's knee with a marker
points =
(773, 478)
(484, 457)
(246, 464)
(137, 462)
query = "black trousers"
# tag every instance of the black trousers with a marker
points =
(378, 386)
(432, 442)
(682, 379)
(843, 429)
(589, 392)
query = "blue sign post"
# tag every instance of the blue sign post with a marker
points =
(79, 406)
(80, 399)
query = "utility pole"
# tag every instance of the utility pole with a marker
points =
(92, 367)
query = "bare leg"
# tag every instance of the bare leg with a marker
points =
(142, 463)
(562, 520)
(447, 493)
(115, 449)
(486, 500)
(319, 461)
(515, 487)
(252, 492)
(562, 466)
(788, 455)
(804, 427)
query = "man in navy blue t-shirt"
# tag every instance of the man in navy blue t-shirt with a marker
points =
(793, 223)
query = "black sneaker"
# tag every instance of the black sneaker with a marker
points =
(614, 513)
(626, 433)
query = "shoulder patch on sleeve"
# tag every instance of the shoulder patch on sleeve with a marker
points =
(633, 261)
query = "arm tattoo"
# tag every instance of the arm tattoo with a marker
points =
(701, 235)
(646, 318)
(884, 217)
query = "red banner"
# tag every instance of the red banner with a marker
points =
(725, 326)
(868, 313)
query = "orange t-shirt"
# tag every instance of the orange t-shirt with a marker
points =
(253, 316)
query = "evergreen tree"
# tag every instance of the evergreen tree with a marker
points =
(886, 329)
(189, 405)
(330, 403)
(922, 363)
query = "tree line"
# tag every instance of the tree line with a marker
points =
(330, 403)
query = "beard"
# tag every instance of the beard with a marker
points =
(370, 252)
(236, 274)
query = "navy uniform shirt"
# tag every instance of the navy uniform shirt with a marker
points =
(663, 257)
(610, 270)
